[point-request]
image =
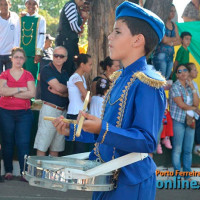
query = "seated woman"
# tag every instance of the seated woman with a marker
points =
(183, 99)
(108, 66)
(17, 87)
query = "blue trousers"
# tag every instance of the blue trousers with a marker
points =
(16, 129)
(182, 142)
(145, 190)
(163, 63)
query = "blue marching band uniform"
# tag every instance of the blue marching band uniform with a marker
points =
(139, 98)
(132, 114)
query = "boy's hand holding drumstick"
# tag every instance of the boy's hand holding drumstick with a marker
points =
(61, 126)
(92, 124)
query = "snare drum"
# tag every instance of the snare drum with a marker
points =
(50, 172)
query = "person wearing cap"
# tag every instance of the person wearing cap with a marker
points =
(46, 59)
(31, 31)
(133, 108)
(70, 26)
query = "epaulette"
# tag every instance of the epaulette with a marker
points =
(115, 75)
(151, 77)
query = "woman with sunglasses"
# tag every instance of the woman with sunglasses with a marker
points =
(183, 99)
(17, 87)
(77, 90)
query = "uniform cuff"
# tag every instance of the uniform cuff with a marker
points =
(103, 133)
(72, 134)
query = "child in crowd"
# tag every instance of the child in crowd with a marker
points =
(108, 66)
(133, 107)
(31, 33)
(46, 59)
(97, 101)
(182, 56)
(166, 132)
(77, 90)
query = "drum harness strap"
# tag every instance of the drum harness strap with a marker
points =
(105, 167)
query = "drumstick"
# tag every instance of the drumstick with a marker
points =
(64, 120)
(80, 123)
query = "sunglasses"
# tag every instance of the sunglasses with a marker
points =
(58, 56)
(181, 70)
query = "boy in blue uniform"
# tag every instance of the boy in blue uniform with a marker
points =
(133, 107)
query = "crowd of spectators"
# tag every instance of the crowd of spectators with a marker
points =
(58, 76)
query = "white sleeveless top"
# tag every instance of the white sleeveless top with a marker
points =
(75, 101)
(96, 106)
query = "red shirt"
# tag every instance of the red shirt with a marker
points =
(13, 103)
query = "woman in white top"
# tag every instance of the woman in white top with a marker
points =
(77, 90)
(77, 87)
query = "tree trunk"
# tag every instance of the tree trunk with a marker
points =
(159, 7)
(100, 24)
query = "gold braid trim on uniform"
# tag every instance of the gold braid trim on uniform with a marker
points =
(104, 135)
(149, 81)
(123, 99)
(74, 135)
(113, 77)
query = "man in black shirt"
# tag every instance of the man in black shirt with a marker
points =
(54, 96)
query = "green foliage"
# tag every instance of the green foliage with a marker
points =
(52, 23)
(84, 36)
(50, 10)
(52, 6)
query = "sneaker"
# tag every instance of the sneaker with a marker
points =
(159, 149)
(8, 176)
(167, 143)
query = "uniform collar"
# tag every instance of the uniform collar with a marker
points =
(138, 65)
(35, 14)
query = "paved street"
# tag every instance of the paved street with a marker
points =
(17, 190)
